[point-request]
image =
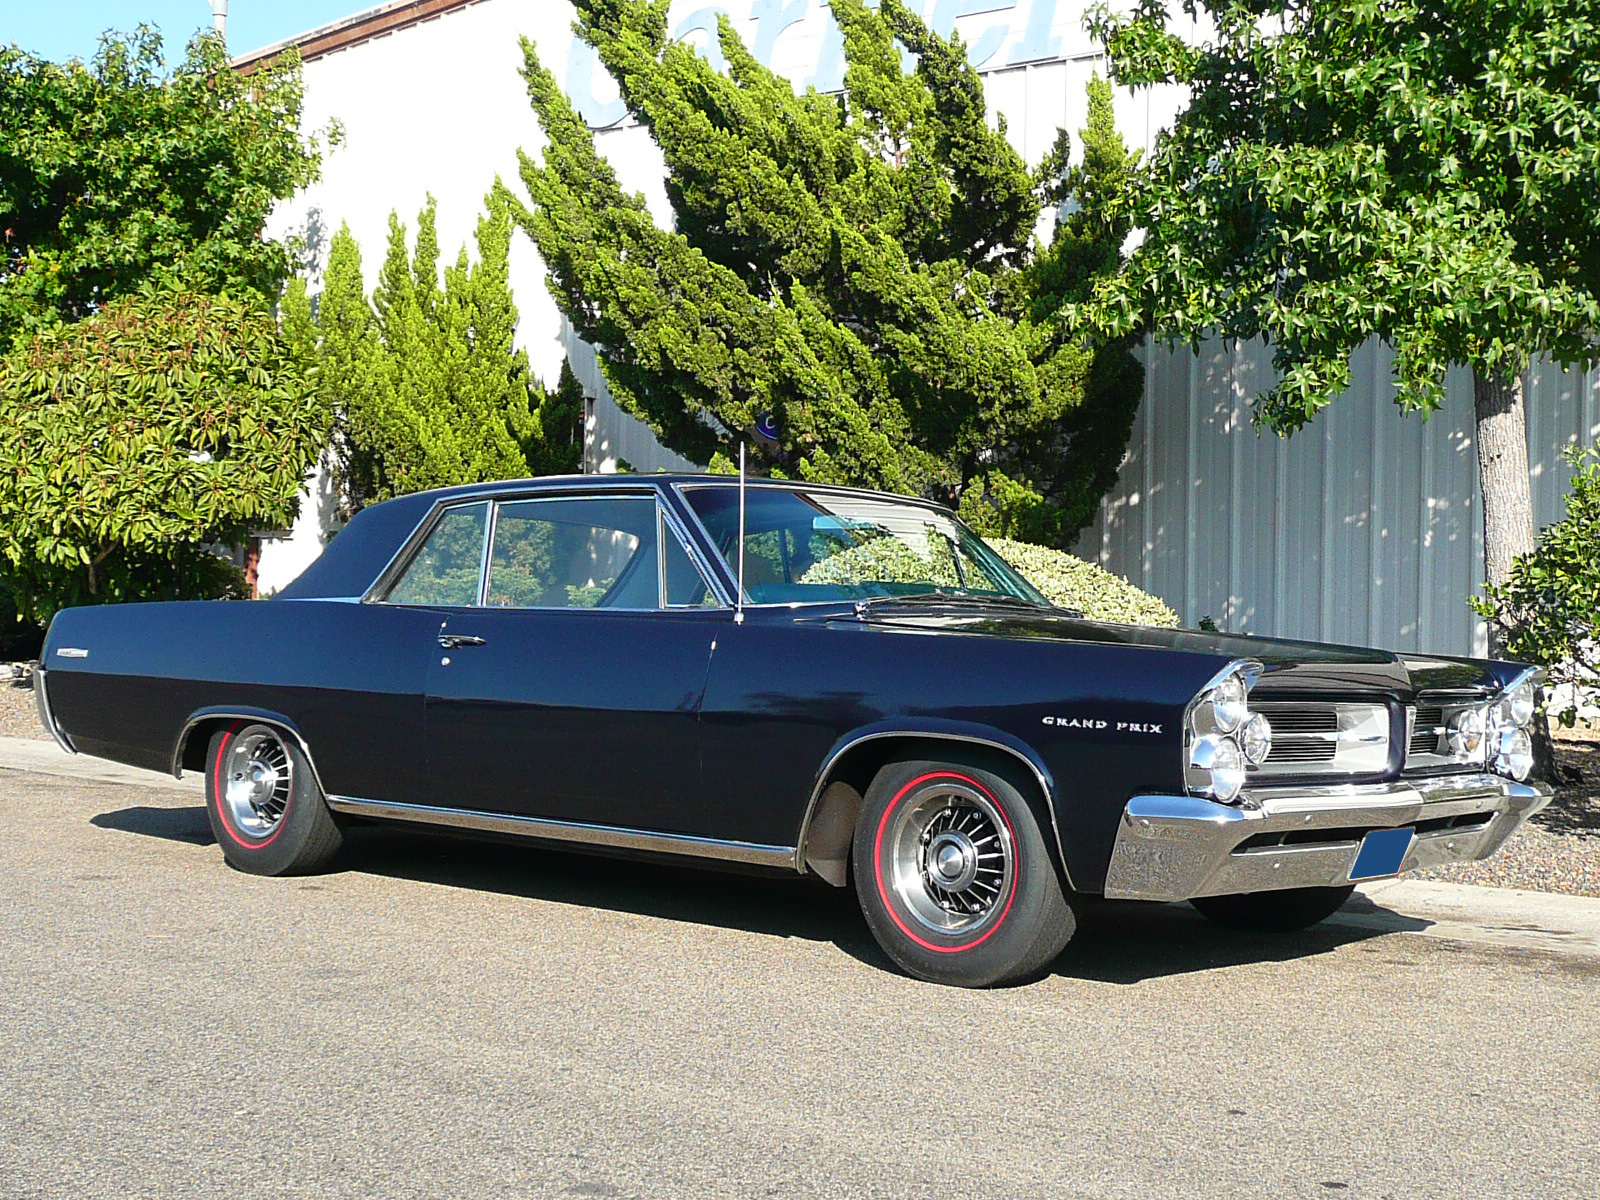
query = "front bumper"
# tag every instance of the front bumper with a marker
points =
(1178, 847)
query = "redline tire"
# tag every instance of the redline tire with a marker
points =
(954, 876)
(266, 809)
(1274, 912)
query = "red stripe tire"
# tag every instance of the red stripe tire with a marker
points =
(955, 877)
(264, 804)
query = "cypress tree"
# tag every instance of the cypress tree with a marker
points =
(425, 383)
(859, 272)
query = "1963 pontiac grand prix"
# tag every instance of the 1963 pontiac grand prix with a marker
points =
(888, 706)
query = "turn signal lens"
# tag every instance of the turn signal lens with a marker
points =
(1257, 739)
(1466, 732)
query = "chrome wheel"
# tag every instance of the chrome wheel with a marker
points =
(951, 858)
(253, 781)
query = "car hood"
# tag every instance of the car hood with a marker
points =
(1292, 667)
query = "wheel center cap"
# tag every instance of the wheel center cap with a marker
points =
(952, 861)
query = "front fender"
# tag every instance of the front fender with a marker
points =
(926, 729)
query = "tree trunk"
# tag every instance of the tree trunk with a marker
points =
(1507, 510)
(1503, 474)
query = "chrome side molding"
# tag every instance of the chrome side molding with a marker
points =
(569, 831)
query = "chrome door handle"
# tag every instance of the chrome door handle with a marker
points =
(454, 641)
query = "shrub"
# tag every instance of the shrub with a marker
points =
(136, 438)
(1070, 582)
(1548, 608)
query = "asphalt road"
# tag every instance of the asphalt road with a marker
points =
(446, 1019)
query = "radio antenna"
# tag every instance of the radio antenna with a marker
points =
(738, 610)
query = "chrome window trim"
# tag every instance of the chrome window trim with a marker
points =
(800, 486)
(1045, 788)
(401, 558)
(671, 521)
(615, 836)
(409, 549)
(489, 525)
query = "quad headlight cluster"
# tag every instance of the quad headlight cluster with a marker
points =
(1508, 727)
(1224, 739)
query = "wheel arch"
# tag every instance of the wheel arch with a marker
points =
(826, 830)
(189, 751)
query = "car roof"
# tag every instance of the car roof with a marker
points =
(361, 551)
(662, 479)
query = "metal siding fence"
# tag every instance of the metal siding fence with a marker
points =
(1361, 528)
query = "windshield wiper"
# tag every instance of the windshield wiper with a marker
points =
(948, 600)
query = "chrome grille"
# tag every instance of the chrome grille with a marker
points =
(1428, 747)
(1427, 730)
(1332, 738)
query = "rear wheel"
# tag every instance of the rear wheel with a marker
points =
(264, 804)
(955, 877)
(1274, 912)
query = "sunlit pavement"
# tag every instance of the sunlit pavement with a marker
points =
(440, 1018)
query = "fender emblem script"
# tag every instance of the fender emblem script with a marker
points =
(1095, 723)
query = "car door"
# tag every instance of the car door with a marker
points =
(570, 689)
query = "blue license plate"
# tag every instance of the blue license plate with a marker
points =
(1382, 852)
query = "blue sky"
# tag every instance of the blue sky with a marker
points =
(62, 29)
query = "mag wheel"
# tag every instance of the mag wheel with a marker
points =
(955, 877)
(1274, 912)
(264, 804)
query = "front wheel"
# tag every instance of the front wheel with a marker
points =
(954, 875)
(265, 806)
(1274, 912)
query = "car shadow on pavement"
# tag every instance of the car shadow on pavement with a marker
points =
(173, 824)
(1128, 942)
(776, 905)
(1117, 942)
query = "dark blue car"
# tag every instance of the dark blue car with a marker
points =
(887, 705)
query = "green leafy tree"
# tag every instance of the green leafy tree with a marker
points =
(115, 174)
(132, 440)
(425, 384)
(1549, 604)
(1421, 173)
(860, 272)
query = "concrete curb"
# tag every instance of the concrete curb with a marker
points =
(1459, 912)
(47, 758)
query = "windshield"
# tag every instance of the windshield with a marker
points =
(810, 547)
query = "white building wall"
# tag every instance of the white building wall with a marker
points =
(1363, 528)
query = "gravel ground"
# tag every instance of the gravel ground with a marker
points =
(1558, 851)
(18, 717)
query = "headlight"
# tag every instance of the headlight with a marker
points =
(1257, 739)
(1230, 701)
(1222, 760)
(1514, 754)
(1509, 729)
(1222, 738)
(1519, 702)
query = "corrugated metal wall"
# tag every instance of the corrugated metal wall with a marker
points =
(1362, 528)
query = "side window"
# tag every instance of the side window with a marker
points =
(686, 587)
(447, 568)
(581, 552)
